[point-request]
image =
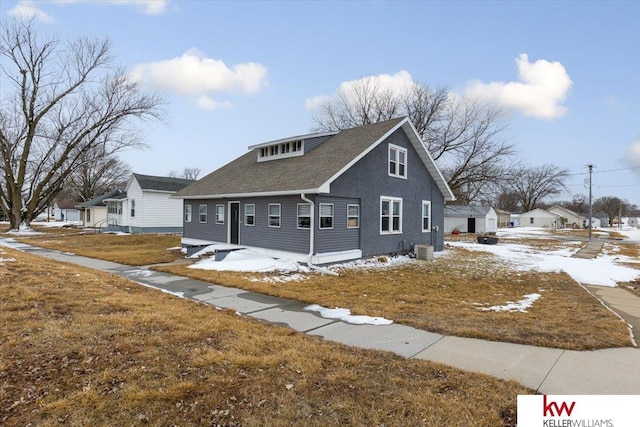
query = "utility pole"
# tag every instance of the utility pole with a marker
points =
(590, 208)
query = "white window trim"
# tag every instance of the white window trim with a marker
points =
(427, 203)
(187, 211)
(320, 216)
(253, 215)
(298, 216)
(348, 216)
(398, 150)
(206, 216)
(219, 216)
(132, 208)
(279, 215)
(390, 200)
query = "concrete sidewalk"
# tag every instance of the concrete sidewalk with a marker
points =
(546, 370)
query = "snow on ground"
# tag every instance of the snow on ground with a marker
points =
(602, 271)
(521, 305)
(630, 232)
(378, 262)
(523, 232)
(345, 315)
(248, 261)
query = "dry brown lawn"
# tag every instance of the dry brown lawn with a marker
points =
(446, 296)
(129, 249)
(443, 296)
(80, 347)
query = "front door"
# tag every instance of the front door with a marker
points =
(234, 221)
(471, 225)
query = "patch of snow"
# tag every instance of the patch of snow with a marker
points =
(217, 247)
(378, 262)
(6, 260)
(522, 231)
(175, 248)
(345, 315)
(246, 260)
(282, 278)
(521, 305)
(601, 271)
(139, 273)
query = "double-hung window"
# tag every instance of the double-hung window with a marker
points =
(353, 216)
(426, 216)
(397, 161)
(304, 215)
(219, 214)
(390, 215)
(274, 215)
(250, 215)
(202, 213)
(187, 213)
(326, 215)
(133, 208)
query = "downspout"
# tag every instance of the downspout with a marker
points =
(312, 239)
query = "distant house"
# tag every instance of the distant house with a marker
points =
(568, 218)
(470, 219)
(65, 210)
(539, 218)
(93, 213)
(324, 197)
(504, 218)
(146, 206)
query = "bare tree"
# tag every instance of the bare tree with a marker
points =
(97, 175)
(464, 136)
(59, 101)
(187, 173)
(531, 184)
(613, 206)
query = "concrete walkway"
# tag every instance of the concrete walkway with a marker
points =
(590, 250)
(546, 370)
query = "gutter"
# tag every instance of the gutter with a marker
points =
(312, 239)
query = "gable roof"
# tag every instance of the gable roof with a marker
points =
(466, 211)
(100, 200)
(565, 210)
(160, 183)
(542, 211)
(311, 173)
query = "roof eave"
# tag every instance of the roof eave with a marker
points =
(254, 194)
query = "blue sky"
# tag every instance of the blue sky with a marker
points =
(235, 74)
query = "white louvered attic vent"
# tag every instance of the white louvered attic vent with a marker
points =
(281, 150)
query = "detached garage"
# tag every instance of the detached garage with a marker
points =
(470, 219)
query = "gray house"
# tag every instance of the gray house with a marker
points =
(323, 198)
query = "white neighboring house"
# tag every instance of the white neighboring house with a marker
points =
(93, 213)
(568, 218)
(470, 219)
(65, 211)
(146, 206)
(540, 218)
(631, 221)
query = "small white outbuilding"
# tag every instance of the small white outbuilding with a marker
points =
(470, 219)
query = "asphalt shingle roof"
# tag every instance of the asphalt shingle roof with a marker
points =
(99, 201)
(466, 211)
(161, 183)
(246, 175)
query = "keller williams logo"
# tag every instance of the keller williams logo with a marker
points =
(549, 408)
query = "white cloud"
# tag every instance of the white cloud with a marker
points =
(396, 84)
(194, 74)
(540, 91)
(206, 103)
(149, 7)
(633, 153)
(26, 9)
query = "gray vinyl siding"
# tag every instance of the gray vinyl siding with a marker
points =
(286, 238)
(339, 238)
(205, 231)
(368, 179)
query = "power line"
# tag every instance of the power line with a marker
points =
(605, 171)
